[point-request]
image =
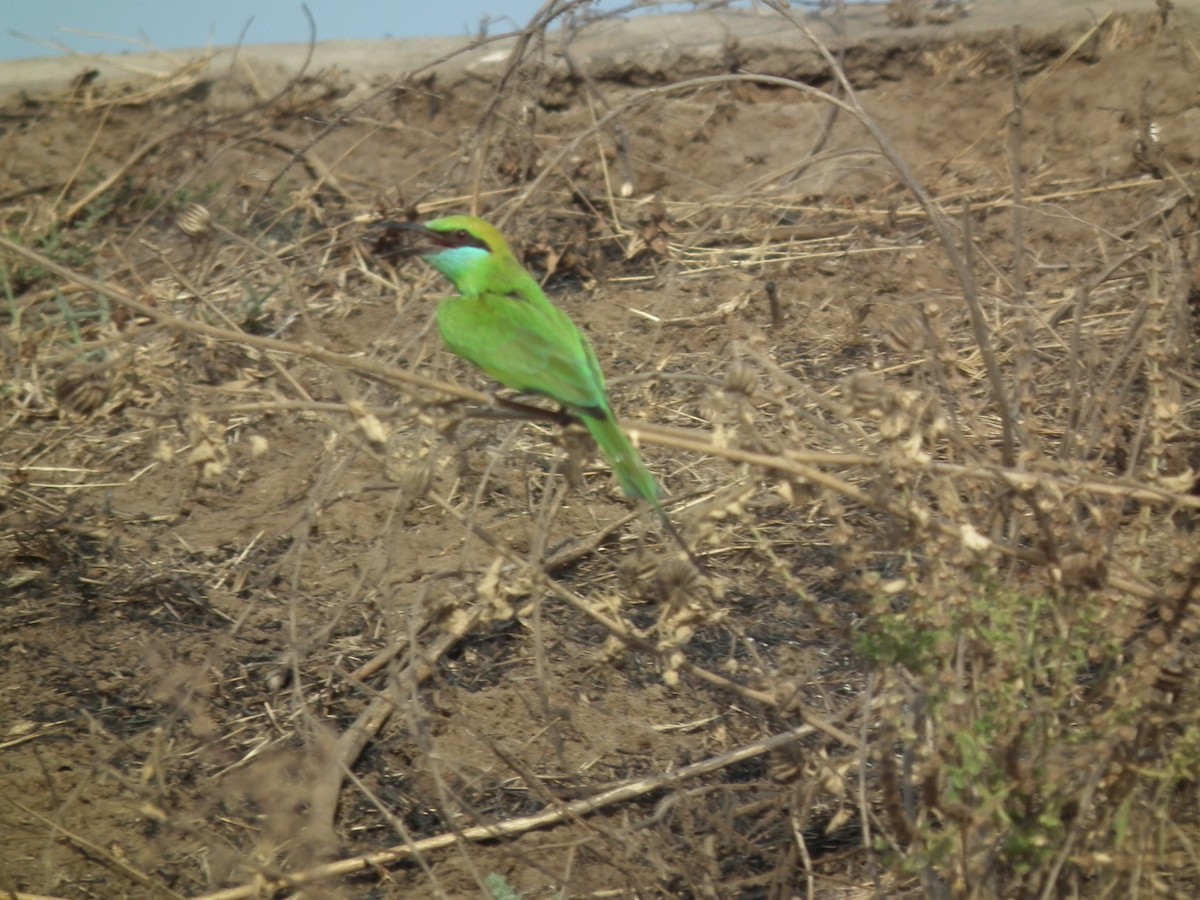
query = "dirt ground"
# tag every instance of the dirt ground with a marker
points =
(284, 588)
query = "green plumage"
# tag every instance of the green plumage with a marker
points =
(503, 323)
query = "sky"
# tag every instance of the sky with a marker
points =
(32, 28)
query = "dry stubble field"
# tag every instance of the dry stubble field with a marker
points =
(290, 607)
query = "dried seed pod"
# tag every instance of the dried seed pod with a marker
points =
(864, 391)
(784, 768)
(195, 221)
(740, 378)
(905, 334)
(676, 574)
(83, 391)
(416, 478)
(1083, 570)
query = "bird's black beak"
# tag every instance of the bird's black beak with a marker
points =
(401, 226)
(390, 244)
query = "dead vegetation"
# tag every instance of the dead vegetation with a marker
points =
(294, 604)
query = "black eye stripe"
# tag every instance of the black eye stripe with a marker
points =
(463, 238)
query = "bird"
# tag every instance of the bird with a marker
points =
(502, 322)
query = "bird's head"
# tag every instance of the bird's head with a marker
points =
(468, 251)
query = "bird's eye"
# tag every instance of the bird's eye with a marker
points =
(462, 235)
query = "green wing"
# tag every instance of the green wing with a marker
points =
(527, 344)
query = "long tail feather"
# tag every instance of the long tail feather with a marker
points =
(635, 479)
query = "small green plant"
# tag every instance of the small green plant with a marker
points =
(253, 308)
(896, 640)
(1018, 706)
(499, 889)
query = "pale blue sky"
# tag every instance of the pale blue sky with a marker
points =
(170, 25)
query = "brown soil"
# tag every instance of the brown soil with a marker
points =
(266, 609)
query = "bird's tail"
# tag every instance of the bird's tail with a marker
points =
(635, 479)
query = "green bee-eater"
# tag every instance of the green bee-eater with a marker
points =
(503, 323)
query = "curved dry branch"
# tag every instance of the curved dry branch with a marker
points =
(551, 816)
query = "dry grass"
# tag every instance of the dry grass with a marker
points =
(293, 605)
